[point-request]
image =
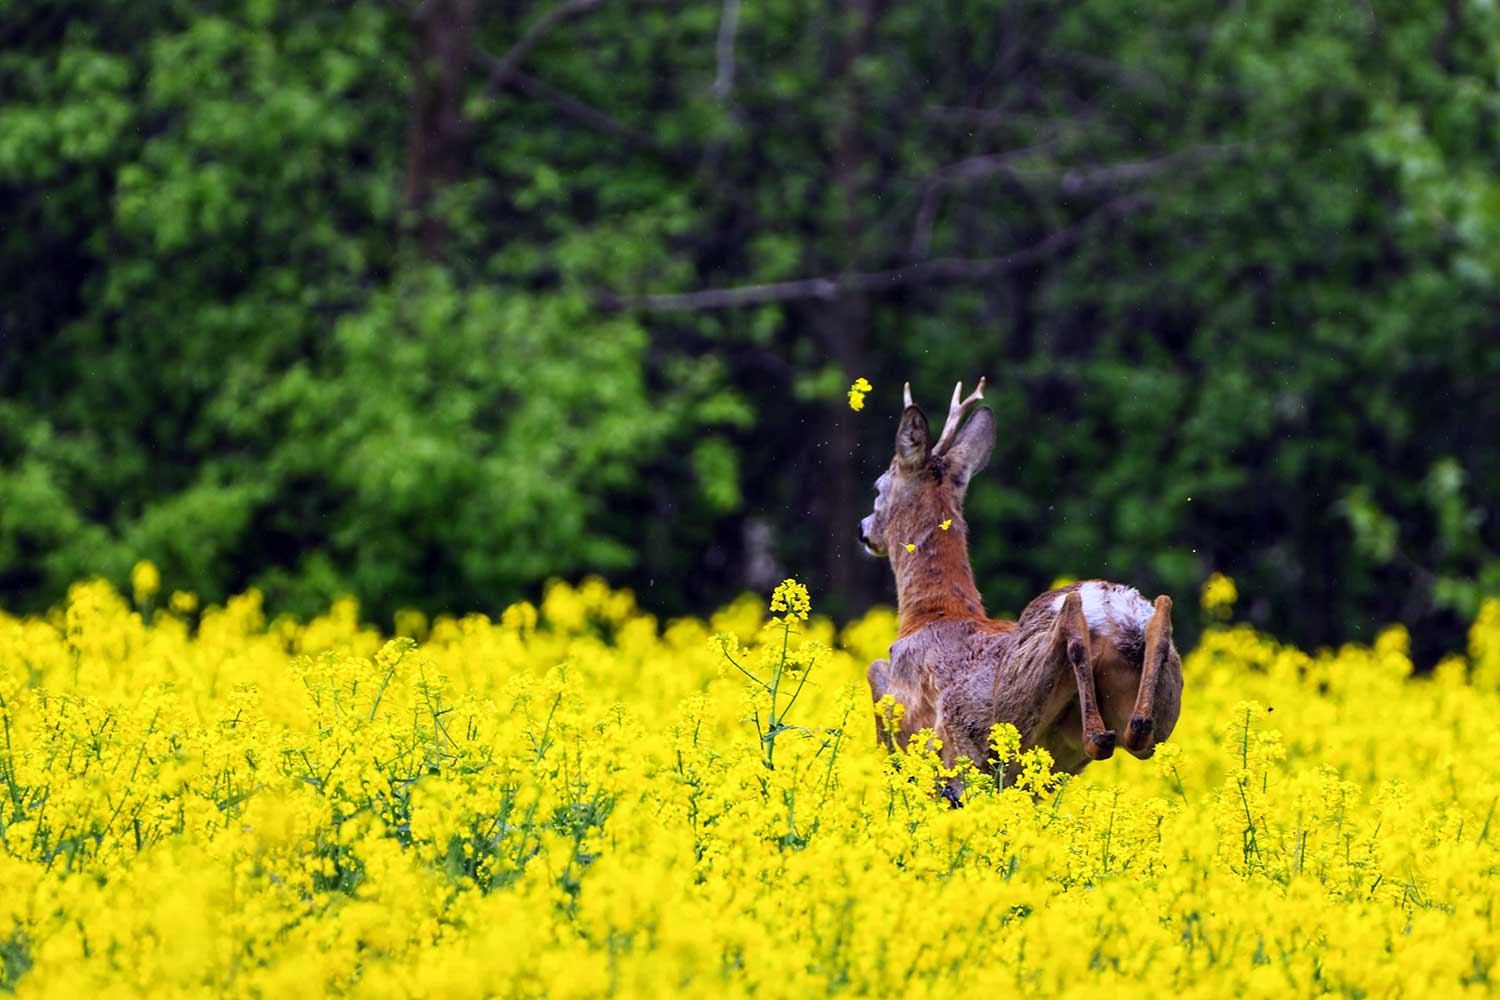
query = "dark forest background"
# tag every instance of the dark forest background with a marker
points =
(431, 301)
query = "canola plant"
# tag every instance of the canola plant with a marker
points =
(578, 800)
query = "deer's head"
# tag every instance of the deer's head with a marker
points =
(926, 482)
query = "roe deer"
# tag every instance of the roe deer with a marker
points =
(1082, 662)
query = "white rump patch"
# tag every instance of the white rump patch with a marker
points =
(1106, 604)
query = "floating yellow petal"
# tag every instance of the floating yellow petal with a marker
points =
(857, 393)
(910, 547)
(946, 524)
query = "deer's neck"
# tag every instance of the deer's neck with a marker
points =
(935, 582)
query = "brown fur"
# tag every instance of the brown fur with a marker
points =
(1065, 683)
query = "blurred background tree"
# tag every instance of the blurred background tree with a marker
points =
(430, 300)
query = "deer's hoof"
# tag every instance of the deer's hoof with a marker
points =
(1138, 734)
(1100, 746)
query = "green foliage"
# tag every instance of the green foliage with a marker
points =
(1253, 334)
(235, 365)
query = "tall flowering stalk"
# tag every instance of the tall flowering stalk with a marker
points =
(772, 703)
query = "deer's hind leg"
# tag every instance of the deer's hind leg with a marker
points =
(1070, 647)
(879, 676)
(1140, 731)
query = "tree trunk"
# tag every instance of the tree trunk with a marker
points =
(436, 142)
(845, 324)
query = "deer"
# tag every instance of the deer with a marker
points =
(1081, 664)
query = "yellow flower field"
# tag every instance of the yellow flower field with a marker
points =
(579, 800)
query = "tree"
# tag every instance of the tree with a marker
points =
(431, 301)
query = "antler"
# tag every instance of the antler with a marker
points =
(956, 411)
(906, 402)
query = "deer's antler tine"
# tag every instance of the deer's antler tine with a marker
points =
(907, 397)
(956, 411)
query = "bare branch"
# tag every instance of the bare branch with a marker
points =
(732, 298)
(503, 68)
(505, 72)
(1082, 180)
(830, 287)
(1071, 181)
(586, 114)
(973, 168)
(729, 22)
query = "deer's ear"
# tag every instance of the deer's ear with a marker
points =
(972, 446)
(913, 439)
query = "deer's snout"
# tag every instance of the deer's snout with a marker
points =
(864, 535)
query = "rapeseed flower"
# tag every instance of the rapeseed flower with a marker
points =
(1219, 595)
(791, 598)
(577, 799)
(145, 581)
(857, 393)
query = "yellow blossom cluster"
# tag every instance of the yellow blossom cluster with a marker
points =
(857, 392)
(1219, 595)
(791, 598)
(571, 801)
